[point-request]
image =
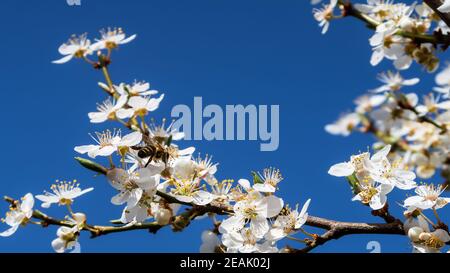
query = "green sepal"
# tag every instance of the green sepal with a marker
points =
(257, 179)
(353, 182)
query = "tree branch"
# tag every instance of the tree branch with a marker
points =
(336, 230)
(435, 4)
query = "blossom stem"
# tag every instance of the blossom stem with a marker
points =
(296, 239)
(307, 233)
(89, 61)
(69, 208)
(123, 123)
(427, 219)
(111, 162)
(437, 216)
(112, 91)
(143, 124)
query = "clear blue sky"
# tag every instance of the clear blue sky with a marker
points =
(228, 52)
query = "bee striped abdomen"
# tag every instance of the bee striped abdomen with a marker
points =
(146, 152)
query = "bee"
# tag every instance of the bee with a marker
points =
(158, 151)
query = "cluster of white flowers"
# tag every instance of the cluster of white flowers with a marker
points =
(373, 177)
(260, 218)
(154, 177)
(419, 129)
(413, 136)
(64, 193)
(81, 46)
(390, 20)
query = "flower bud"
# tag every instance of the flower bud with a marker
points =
(91, 165)
(209, 237)
(414, 233)
(162, 216)
(79, 217)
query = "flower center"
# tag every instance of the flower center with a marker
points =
(434, 242)
(80, 53)
(141, 112)
(65, 201)
(250, 212)
(367, 194)
(110, 44)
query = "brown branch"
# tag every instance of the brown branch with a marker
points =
(178, 222)
(434, 5)
(403, 103)
(336, 230)
(385, 214)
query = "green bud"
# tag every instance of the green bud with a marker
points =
(88, 164)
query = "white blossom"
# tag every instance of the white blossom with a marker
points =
(254, 210)
(432, 105)
(109, 142)
(345, 125)
(244, 241)
(18, 215)
(431, 242)
(367, 103)
(393, 82)
(325, 15)
(443, 80)
(132, 186)
(383, 171)
(111, 38)
(189, 191)
(63, 193)
(354, 166)
(373, 194)
(270, 179)
(139, 106)
(136, 89)
(78, 47)
(164, 133)
(220, 190)
(205, 167)
(107, 110)
(288, 224)
(428, 197)
(67, 237)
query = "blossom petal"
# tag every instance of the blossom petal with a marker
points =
(342, 169)
(64, 59)
(10, 231)
(259, 227)
(232, 224)
(202, 198)
(269, 206)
